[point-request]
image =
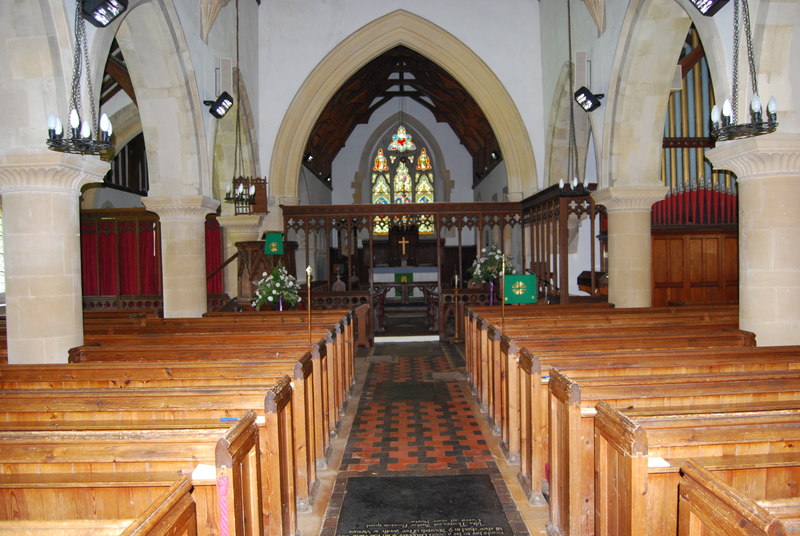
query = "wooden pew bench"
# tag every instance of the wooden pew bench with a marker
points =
(173, 512)
(526, 435)
(571, 422)
(327, 405)
(179, 407)
(310, 444)
(485, 375)
(525, 438)
(708, 504)
(117, 472)
(338, 370)
(632, 446)
(498, 368)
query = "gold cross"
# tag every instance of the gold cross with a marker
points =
(519, 288)
(403, 242)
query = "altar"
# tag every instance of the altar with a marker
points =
(404, 279)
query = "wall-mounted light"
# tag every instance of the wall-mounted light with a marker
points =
(308, 158)
(708, 7)
(495, 155)
(588, 100)
(219, 107)
(102, 12)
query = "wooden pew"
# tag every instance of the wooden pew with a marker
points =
(323, 378)
(99, 473)
(496, 362)
(629, 499)
(174, 512)
(339, 368)
(571, 422)
(307, 424)
(498, 370)
(527, 418)
(710, 505)
(90, 408)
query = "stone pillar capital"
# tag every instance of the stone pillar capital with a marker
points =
(514, 196)
(188, 208)
(772, 155)
(49, 171)
(241, 228)
(629, 198)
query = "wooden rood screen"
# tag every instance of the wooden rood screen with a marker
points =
(550, 217)
(352, 223)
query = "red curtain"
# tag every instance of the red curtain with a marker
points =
(213, 256)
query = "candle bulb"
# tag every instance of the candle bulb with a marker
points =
(86, 130)
(456, 281)
(74, 122)
(727, 113)
(772, 109)
(755, 107)
(715, 117)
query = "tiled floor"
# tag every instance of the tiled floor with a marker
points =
(412, 415)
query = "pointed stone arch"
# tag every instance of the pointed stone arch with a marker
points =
(558, 136)
(636, 101)
(170, 106)
(402, 28)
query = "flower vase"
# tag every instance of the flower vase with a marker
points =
(280, 303)
(491, 292)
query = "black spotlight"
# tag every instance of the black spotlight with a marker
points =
(102, 12)
(219, 107)
(588, 100)
(709, 7)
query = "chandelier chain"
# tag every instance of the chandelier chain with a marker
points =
(572, 157)
(238, 154)
(735, 81)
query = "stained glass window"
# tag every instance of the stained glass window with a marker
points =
(405, 176)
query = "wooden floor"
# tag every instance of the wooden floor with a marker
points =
(410, 362)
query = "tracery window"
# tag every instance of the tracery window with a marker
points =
(405, 176)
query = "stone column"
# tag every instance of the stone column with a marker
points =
(41, 238)
(768, 173)
(630, 254)
(183, 259)
(243, 228)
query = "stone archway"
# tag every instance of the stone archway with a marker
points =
(402, 28)
(170, 106)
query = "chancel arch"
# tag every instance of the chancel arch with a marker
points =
(420, 35)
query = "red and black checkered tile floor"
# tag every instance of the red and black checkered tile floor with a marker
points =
(409, 421)
(415, 418)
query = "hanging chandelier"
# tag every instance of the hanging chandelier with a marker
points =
(724, 124)
(80, 139)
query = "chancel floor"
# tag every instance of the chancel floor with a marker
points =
(415, 456)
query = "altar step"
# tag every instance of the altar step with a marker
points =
(406, 323)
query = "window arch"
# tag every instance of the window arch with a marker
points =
(406, 175)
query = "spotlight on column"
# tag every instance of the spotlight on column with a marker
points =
(708, 7)
(102, 12)
(219, 107)
(588, 100)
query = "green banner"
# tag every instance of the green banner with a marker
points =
(520, 289)
(402, 278)
(273, 243)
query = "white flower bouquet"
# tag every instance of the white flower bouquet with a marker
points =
(489, 264)
(276, 288)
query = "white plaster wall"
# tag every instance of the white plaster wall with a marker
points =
(295, 36)
(493, 188)
(312, 191)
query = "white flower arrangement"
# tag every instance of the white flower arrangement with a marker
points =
(489, 264)
(276, 287)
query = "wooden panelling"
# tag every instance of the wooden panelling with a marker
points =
(695, 266)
